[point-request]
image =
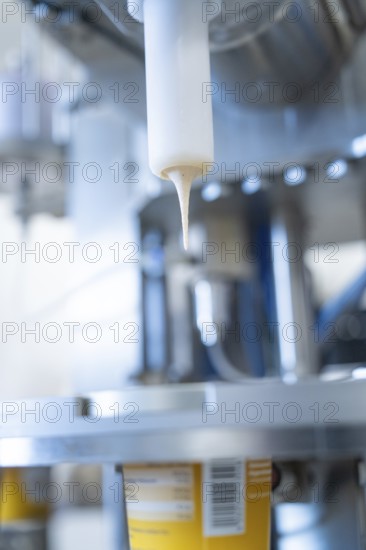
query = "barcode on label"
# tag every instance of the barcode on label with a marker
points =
(223, 502)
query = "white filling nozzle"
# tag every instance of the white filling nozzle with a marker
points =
(179, 109)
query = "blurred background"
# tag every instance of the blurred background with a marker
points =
(97, 292)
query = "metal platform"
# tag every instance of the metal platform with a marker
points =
(189, 423)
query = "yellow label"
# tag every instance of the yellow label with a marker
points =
(222, 504)
(21, 497)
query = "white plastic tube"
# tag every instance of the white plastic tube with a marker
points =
(180, 130)
(179, 111)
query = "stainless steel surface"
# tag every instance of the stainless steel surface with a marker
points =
(305, 421)
(297, 351)
(115, 507)
(198, 289)
(324, 510)
(264, 42)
